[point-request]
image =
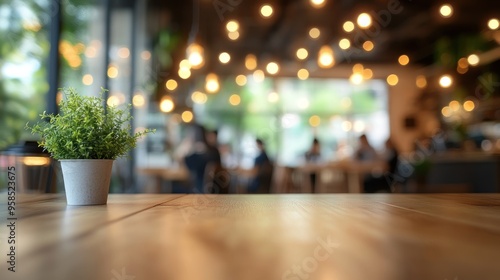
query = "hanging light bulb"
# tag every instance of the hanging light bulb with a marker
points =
(195, 56)
(364, 20)
(318, 3)
(272, 68)
(303, 74)
(187, 116)
(445, 81)
(356, 78)
(212, 83)
(325, 57)
(250, 62)
(167, 104)
(232, 26)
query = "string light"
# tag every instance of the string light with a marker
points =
(232, 26)
(272, 68)
(469, 105)
(185, 64)
(112, 72)
(302, 53)
(146, 55)
(392, 79)
(325, 57)
(493, 24)
(199, 97)
(348, 26)
(87, 79)
(166, 104)
(184, 73)
(357, 68)
(403, 59)
(367, 74)
(250, 62)
(266, 10)
(473, 59)
(113, 101)
(368, 46)
(195, 55)
(123, 52)
(446, 10)
(364, 20)
(233, 35)
(314, 121)
(446, 111)
(212, 83)
(171, 84)
(241, 80)
(187, 116)
(318, 3)
(421, 81)
(303, 74)
(234, 100)
(454, 105)
(356, 78)
(314, 33)
(445, 81)
(344, 44)
(224, 57)
(138, 100)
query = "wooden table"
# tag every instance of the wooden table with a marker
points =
(165, 174)
(352, 169)
(339, 236)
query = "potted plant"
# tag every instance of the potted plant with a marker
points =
(86, 137)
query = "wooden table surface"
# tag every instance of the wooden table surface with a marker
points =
(339, 236)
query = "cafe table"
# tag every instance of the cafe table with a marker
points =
(281, 236)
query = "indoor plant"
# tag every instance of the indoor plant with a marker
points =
(86, 137)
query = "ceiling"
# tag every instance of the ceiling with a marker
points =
(413, 28)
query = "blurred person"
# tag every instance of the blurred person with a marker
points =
(390, 156)
(262, 171)
(212, 136)
(313, 156)
(200, 155)
(365, 151)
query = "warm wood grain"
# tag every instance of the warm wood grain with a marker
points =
(46, 222)
(378, 236)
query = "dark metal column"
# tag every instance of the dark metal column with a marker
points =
(107, 44)
(54, 60)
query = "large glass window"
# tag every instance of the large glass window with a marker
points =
(288, 113)
(24, 48)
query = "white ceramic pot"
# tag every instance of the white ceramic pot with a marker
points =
(86, 181)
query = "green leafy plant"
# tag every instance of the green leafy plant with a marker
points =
(86, 129)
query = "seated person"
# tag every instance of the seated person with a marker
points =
(383, 183)
(200, 154)
(313, 156)
(262, 171)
